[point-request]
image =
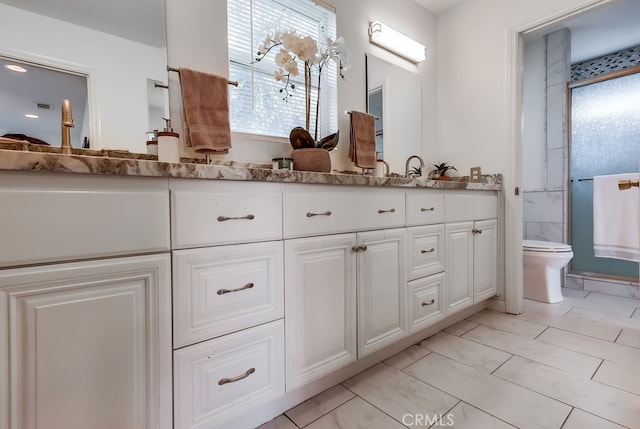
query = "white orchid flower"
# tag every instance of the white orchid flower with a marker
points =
(292, 68)
(289, 39)
(283, 57)
(307, 49)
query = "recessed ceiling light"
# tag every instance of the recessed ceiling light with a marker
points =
(16, 68)
(31, 116)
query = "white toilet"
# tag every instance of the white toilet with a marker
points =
(543, 261)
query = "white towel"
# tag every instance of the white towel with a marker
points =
(616, 218)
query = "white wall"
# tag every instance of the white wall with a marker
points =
(197, 39)
(479, 97)
(120, 69)
(475, 76)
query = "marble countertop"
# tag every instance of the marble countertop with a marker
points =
(21, 160)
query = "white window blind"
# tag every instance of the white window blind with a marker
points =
(257, 105)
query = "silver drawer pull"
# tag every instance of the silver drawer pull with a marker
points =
(238, 378)
(245, 287)
(311, 214)
(387, 211)
(359, 248)
(248, 217)
(430, 209)
(433, 300)
(428, 251)
(476, 231)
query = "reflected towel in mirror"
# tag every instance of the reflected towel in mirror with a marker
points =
(362, 145)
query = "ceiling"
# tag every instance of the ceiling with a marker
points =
(438, 6)
(604, 30)
(138, 20)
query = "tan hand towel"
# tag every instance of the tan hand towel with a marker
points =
(205, 102)
(362, 147)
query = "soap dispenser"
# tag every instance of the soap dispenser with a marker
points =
(168, 144)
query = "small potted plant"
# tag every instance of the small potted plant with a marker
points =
(440, 171)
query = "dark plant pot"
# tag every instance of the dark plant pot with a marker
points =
(311, 159)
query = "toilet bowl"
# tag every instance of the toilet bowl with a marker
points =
(542, 264)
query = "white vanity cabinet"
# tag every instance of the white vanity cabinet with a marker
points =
(425, 258)
(425, 275)
(471, 249)
(86, 335)
(325, 271)
(228, 300)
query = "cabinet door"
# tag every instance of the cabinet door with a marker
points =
(382, 318)
(485, 259)
(459, 265)
(320, 306)
(89, 345)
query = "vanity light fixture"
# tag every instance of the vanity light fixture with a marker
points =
(31, 116)
(16, 68)
(396, 42)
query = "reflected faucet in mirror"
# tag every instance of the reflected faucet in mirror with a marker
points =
(81, 73)
(406, 166)
(67, 124)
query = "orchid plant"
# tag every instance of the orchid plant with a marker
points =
(295, 50)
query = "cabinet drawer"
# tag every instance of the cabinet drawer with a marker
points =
(426, 251)
(424, 207)
(425, 301)
(48, 219)
(205, 218)
(224, 289)
(335, 212)
(219, 380)
(471, 205)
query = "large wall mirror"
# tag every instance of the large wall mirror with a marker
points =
(393, 96)
(106, 57)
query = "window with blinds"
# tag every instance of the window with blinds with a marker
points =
(257, 105)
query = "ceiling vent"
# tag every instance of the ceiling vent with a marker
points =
(44, 106)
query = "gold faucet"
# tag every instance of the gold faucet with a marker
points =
(386, 166)
(67, 124)
(406, 166)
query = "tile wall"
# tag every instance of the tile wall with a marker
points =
(545, 210)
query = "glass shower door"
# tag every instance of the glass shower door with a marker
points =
(605, 139)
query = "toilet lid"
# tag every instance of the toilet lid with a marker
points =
(545, 246)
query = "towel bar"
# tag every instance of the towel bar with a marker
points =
(348, 112)
(628, 184)
(230, 82)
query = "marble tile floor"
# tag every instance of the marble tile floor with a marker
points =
(572, 365)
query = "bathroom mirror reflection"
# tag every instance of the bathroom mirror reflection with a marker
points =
(393, 95)
(118, 48)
